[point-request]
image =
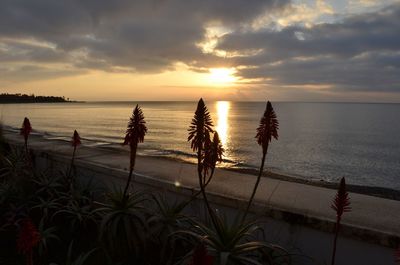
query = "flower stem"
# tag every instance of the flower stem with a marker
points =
(128, 183)
(69, 176)
(335, 240)
(255, 187)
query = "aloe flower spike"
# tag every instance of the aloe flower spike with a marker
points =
(341, 204)
(267, 130)
(135, 132)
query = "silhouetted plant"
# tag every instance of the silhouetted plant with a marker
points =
(166, 218)
(79, 217)
(236, 242)
(75, 142)
(123, 225)
(397, 256)
(341, 204)
(267, 130)
(81, 259)
(134, 134)
(47, 235)
(28, 238)
(213, 154)
(25, 130)
(208, 152)
(4, 146)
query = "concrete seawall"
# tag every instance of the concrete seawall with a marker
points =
(297, 216)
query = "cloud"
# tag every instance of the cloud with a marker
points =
(141, 36)
(273, 43)
(359, 53)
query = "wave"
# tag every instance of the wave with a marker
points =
(117, 145)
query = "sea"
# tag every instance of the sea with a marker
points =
(317, 141)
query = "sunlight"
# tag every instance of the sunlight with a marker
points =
(222, 120)
(222, 76)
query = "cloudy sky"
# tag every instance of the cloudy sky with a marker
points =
(299, 50)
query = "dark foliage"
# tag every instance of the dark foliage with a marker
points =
(23, 98)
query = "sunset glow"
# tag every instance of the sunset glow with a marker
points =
(222, 76)
(240, 50)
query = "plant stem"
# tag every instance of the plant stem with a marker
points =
(26, 147)
(203, 191)
(335, 241)
(255, 186)
(128, 182)
(69, 176)
(132, 166)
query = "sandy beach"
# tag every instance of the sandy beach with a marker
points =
(275, 192)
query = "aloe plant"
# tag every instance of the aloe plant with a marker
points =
(267, 130)
(165, 219)
(340, 205)
(135, 133)
(123, 224)
(81, 259)
(236, 242)
(208, 152)
(47, 235)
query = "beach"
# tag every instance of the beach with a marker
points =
(376, 217)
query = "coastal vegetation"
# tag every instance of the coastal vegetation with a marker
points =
(57, 217)
(24, 98)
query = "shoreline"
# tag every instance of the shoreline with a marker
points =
(380, 192)
(375, 219)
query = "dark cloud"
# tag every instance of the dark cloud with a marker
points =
(34, 72)
(360, 53)
(146, 36)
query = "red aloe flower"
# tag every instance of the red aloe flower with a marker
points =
(267, 130)
(268, 127)
(199, 136)
(28, 238)
(135, 133)
(201, 125)
(76, 139)
(213, 154)
(25, 130)
(341, 204)
(397, 256)
(201, 257)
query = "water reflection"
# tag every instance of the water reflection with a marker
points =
(223, 108)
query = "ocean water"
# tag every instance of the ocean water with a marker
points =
(317, 141)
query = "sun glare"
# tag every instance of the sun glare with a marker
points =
(222, 76)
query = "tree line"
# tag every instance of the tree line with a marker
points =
(24, 98)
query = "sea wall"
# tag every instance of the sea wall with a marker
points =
(298, 233)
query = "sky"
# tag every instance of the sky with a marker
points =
(280, 50)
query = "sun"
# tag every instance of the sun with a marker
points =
(222, 76)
